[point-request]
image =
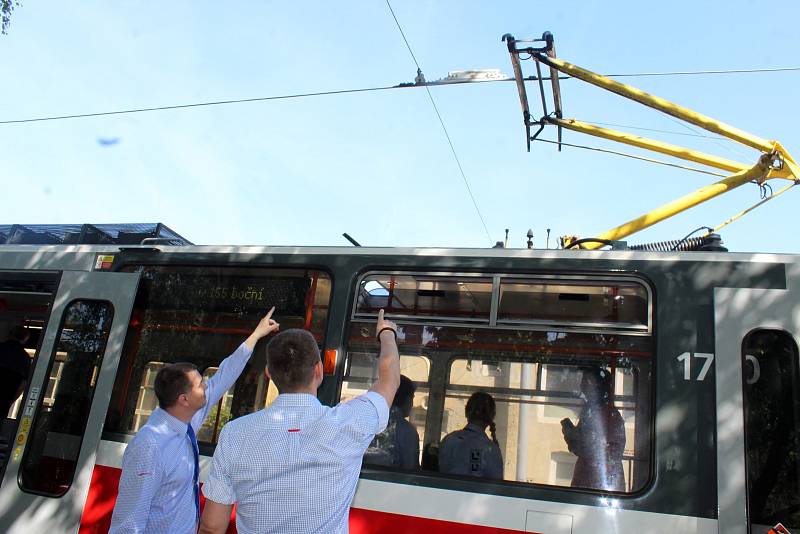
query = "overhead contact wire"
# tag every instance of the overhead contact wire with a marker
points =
(444, 128)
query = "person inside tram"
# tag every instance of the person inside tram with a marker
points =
(469, 451)
(598, 440)
(398, 445)
(14, 367)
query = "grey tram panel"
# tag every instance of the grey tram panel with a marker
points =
(739, 311)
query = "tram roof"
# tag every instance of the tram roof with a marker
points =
(429, 252)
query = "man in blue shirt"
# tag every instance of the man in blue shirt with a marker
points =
(158, 488)
(292, 467)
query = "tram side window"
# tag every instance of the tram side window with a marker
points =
(566, 423)
(550, 396)
(51, 456)
(772, 428)
(201, 315)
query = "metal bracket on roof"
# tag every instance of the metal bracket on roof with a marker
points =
(549, 50)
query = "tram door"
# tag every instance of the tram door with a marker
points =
(25, 300)
(61, 413)
(758, 408)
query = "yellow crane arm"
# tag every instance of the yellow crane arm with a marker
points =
(774, 162)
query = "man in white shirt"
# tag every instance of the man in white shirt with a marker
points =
(292, 468)
(158, 488)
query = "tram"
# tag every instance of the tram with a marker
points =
(701, 348)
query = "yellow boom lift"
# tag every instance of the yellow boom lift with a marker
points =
(774, 162)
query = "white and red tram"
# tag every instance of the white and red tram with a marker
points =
(702, 348)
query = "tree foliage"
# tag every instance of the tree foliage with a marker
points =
(6, 7)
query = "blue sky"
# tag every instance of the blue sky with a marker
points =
(377, 165)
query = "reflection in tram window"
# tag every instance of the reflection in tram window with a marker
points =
(532, 365)
(54, 379)
(218, 415)
(147, 401)
(200, 315)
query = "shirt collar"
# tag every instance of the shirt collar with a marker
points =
(161, 417)
(285, 400)
(475, 428)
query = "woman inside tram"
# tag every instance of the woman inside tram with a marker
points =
(598, 440)
(470, 451)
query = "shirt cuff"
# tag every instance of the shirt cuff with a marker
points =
(218, 491)
(381, 408)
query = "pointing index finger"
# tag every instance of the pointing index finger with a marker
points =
(269, 313)
(380, 314)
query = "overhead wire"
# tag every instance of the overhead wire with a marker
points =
(701, 72)
(199, 104)
(731, 148)
(444, 128)
(364, 90)
(632, 156)
(671, 132)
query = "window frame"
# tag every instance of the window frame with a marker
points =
(511, 487)
(514, 324)
(441, 319)
(39, 403)
(176, 264)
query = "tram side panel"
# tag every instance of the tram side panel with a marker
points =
(680, 431)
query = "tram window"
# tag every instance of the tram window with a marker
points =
(772, 428)
(532, 401)
(425, 296)
(538, 376)
(621, 304)
(50, 459)
(535, 379)
(200, 315)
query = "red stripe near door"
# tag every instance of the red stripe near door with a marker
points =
(96, 518)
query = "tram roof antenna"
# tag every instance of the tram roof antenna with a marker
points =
(774, 161)
(353, 241)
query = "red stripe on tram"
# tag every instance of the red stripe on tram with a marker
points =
(374, 522)
(96, 518)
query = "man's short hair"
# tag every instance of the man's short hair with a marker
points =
(19, 333)
(291, 357)
(405, 391)
(172, 381)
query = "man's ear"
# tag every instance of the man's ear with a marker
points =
(266, 373)
(319, 371)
